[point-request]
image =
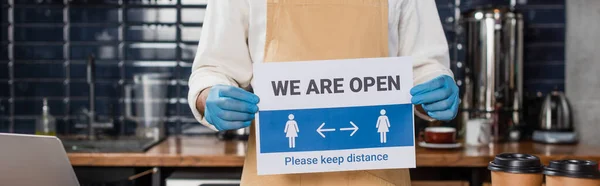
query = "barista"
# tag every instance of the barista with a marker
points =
(234, 36)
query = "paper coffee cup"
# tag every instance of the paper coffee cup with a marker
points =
(512, 169)
(572, 172)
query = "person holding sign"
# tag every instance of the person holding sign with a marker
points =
(238, 33)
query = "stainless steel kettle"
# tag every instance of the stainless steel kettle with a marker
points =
(555, 114)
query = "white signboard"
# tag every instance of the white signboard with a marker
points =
(334, 115)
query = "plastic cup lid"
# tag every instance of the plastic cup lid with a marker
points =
(573, 168)
(516, 163)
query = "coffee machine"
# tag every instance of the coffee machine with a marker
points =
(493, 82)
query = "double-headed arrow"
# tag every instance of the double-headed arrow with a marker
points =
(320, 130)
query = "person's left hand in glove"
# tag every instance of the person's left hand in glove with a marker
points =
(438, 97)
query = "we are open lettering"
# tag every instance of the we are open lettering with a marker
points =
(336, 85)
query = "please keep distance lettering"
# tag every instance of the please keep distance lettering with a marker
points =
(336, 85)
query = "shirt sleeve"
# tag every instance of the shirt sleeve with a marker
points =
(422, 37)
(223, 56)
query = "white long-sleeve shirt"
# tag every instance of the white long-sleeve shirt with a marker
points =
(234, 31)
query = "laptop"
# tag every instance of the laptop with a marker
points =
(28, 160)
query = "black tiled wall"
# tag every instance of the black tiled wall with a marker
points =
(53, 40)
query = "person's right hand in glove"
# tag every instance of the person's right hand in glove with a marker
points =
(228, 107)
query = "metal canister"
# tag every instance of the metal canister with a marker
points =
(494, 71)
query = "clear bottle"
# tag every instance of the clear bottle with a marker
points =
(46, 124)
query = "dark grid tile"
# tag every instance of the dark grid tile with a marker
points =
(137, 68)
(105, 107)
(4, 110)
(4, 124)
(184, 91)
(38, 89)
(94, 2)
(25, 126)
(94, 15)
(149, 51)
(544, 71)
(544, 2)
(544, 16)
(100, 52)
(4, 90)
(172, 109)
(53, 51)
(38, 2)
(543, 86)
(184, 73)
(94, 33)
(4, 52)
(3, 70)
(39, 15)
(172, 128)
(3, 14)
(545, 52)
(186, 111)
(151, 33)
(39, 70)
(39, 33)
(62, 126)
(172, 92)
(3, 33)
(470, 4)
(105, 70)
(103, 89)
(544, 35)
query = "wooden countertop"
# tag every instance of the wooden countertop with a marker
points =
(481, 156)
(208, 151)
(177, 151)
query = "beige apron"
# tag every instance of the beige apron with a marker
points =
(301, 30)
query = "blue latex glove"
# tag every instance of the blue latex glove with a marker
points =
(439, 97)
(229, 107)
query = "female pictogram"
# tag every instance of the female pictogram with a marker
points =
(383, 125)
(291, 131)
